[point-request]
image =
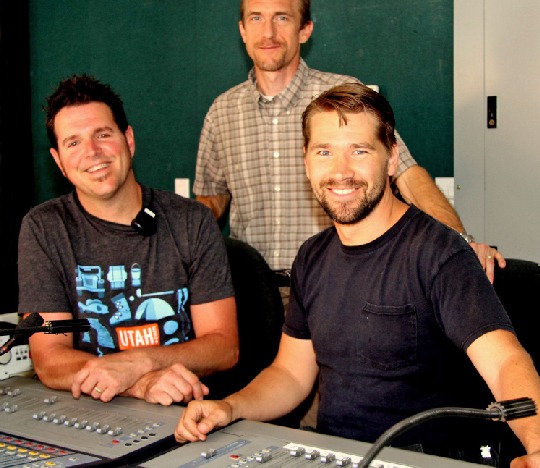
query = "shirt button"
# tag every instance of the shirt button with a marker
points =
(276, 189)
(276, 253)
(276, 154)
(275, 121)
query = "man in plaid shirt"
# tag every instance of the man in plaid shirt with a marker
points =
(250, 151)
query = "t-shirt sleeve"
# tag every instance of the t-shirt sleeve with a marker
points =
(296, 324)
(469, 306)
(209, 272)
(42, 287)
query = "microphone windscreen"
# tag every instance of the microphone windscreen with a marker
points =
(32, 320)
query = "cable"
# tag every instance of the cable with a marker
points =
(498, 411)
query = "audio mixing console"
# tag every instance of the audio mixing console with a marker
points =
(43, 427)
(40, 427)
(247, 444)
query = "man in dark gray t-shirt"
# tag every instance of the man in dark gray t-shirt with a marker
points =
(147, 268)
(381, 303)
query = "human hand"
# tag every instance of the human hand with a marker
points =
(200, 417)
(172, 384)
(105, 377)
(531, 460)
(487, 256)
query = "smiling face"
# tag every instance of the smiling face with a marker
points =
(347, 165)
(93, 154)
(272, 33)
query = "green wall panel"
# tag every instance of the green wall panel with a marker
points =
(169, 59)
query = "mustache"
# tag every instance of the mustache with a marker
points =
(343, 184)
(268, 43)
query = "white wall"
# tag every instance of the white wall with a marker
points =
(497, 53)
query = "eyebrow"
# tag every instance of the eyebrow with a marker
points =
(352, 145)
(274, 13)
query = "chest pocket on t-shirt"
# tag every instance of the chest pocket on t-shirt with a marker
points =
(387, 336)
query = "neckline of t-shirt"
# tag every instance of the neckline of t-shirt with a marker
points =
(383, 239)
(111, 225)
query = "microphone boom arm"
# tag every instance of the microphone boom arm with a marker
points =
(50, 327)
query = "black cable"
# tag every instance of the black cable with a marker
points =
(498, 411)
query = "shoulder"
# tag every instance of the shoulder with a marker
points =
(166, 202)
(427, 227)
(430, 241)
(314, 248)
(182, 214)
(50, 211)
(327, 78)
(232, 95)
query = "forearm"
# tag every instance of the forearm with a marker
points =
(56, 366)
(520, 379)
(276, 391)
(202, 356)
(217, 203)
(417, 187)
(510, 373)
(273, 393)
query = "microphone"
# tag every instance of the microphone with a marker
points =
(499, 411)
(34, 323)
(32, 320)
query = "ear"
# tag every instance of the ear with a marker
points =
(56, 157)
(130, 138)
(242, 30)
(305, 32)
(393, 161)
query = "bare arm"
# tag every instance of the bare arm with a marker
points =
(274, 392)
(217, 203)
(509, 372)
(54, 358)
(57, 364)
(141, 372)
(417, 187)
(214, 348)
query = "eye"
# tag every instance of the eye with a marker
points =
(359, 152)
(104, 135)
(281, 19)
(72, 143)
(323, 153)
(254, 18)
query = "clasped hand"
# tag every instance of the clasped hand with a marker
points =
(119, 374)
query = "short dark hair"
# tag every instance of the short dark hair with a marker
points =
(353, 98)
(82, 89)
(305, 11)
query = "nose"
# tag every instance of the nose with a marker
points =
(269, 28)
(91, 147)
(342, 169)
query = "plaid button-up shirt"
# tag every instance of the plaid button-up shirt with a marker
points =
(251, 147)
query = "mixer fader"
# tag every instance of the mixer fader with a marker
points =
(248, 444)
(51, 427)
(40, 427)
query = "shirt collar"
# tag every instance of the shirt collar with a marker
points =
(291, 93)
